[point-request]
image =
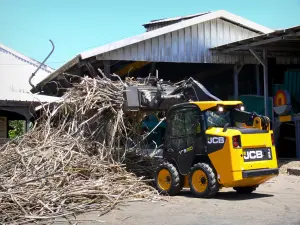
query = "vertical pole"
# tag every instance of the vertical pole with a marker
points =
(297, 132)
(7, 127)
(257, 79)
(27, 125)
(236, 82)
(153, 66)
(265, 82)
(106, 68)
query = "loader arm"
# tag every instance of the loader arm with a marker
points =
(195, 91)
(160, 95)
(251, 119)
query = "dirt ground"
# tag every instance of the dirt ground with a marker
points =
(275, 202)
(284, 164)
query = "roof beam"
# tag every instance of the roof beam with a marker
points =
(261, 60)
(246, 53)
(248, 46)
(292, 38)
(279, 48)
(262, 42)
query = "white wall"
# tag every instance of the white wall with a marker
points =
(15, 71)
(190, 44)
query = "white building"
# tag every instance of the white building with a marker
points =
(16, 68)
(16, 100)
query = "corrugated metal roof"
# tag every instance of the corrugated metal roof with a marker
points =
(26, 97)
(25, 59)
(263, 39)
(16, 68)
(188, 45)
(177, 26)
(147, 38)
(174, 18)
(156, 24)
(284, 45)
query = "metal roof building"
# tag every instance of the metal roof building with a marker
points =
(16, 101)
(184, 41)
(176, 40)
(223, 51)
(283, 46)
(16, 68)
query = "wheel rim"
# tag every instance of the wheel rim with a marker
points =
(164, 179)
(199, 181)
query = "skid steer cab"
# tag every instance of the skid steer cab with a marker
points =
(214, 144)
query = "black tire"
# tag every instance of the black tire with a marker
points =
(175, 184)
(211, 186)
(245, 190)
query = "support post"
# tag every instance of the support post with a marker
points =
(266, 92)
(106, 68)
(91, 69)
(236, 71)
(153, 67)
(297, 132)
(236, 83)
(257, 79)
(27, 125)
(264, 63)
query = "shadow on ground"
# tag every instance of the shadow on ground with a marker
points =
(230, 196)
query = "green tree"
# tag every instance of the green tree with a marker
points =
(17, 128)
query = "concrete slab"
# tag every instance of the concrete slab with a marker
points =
(275, 202)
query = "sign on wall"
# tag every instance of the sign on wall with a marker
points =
(3, 127)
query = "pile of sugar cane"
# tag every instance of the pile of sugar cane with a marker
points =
(72, 160)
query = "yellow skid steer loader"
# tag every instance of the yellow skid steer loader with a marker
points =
(208, 143)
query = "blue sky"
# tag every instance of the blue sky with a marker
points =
(76, 26)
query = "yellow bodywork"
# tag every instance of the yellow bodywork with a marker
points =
(204, 105)
(229, 162)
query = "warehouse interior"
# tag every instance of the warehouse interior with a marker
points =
(219, 80)
(279, 55)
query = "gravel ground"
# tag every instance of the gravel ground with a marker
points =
(275, 202)
(284, 164)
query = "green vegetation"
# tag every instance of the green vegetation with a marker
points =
(17, 128)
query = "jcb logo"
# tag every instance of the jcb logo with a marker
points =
(216, 140)
(254, 155)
